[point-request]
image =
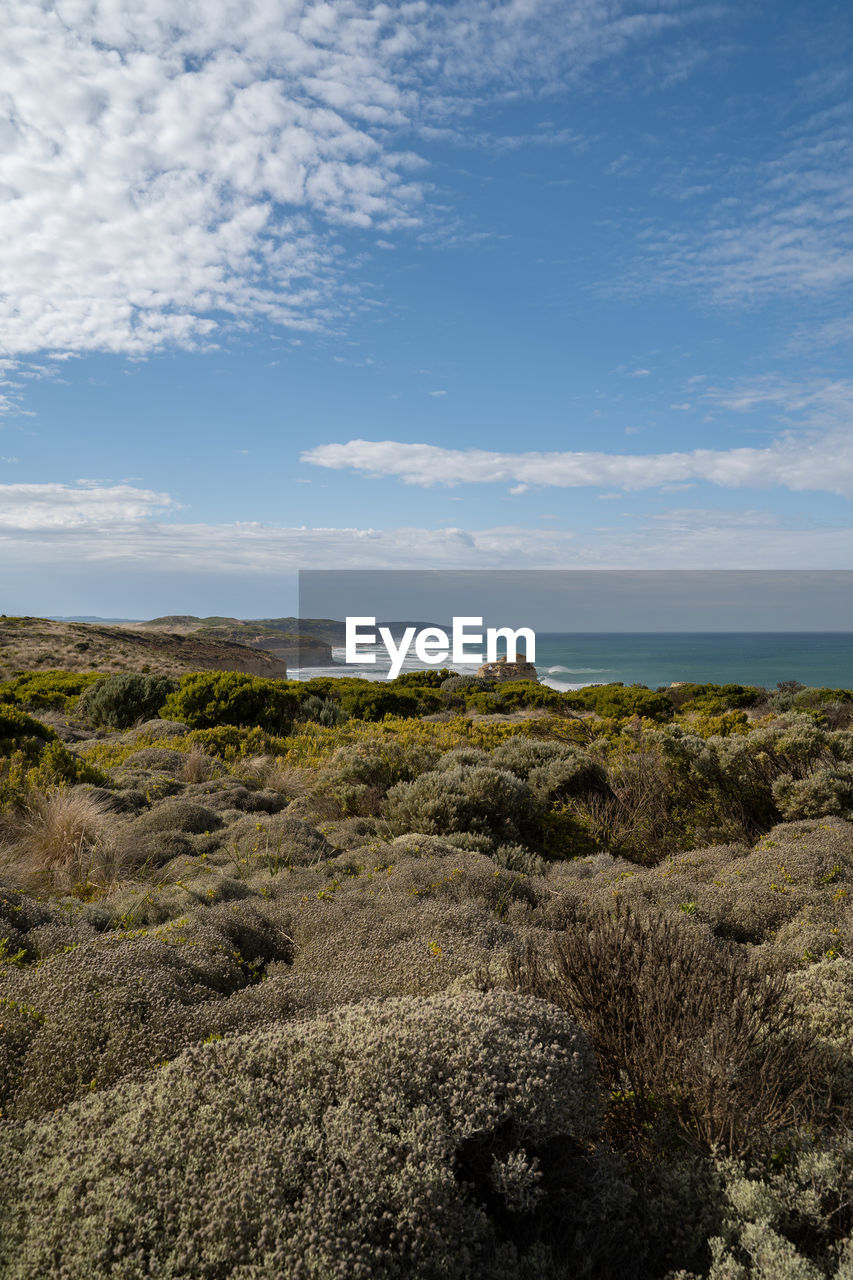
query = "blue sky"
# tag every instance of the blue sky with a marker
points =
(483, 284)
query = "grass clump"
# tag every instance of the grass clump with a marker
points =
(60, 842)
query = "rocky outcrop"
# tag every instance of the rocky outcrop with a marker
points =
(505, 670)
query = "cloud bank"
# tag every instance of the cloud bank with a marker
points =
(88, 531)
(40, 507)
(817, 461)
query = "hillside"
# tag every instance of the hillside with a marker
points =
(34, 644)
(295, 641)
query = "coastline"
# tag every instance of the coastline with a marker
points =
(571, 661)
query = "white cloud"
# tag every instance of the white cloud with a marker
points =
(167, 169)
(821, 402)
(231, 554)
(813, 461)
(784, 226)
(39, 507)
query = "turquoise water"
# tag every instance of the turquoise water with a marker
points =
(653, 659)
(760, 658)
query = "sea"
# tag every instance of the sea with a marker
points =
(572, 661)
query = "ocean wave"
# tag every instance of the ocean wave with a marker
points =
(562, 686)
(578, 671)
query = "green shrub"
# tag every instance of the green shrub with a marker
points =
(47, 690)
(510, 695)
(374, 699)
(33, 758)
(465, 798)
(209, 699)
(379, 1142)
(821, 794)
(20, 732)
(117, 702)
(325, 711)
(713, 699)
(457, 691)
(619, 702)
(406, 696)
(57, 766)
(430, 679)
(231, 744)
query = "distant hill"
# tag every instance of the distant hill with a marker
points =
(40, 644)
(298, 642)
(71, 617)
(174, 643)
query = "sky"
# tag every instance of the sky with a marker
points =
(449, 284)
(585, 600)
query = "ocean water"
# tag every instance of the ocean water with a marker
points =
(759, 658)
(659, 658)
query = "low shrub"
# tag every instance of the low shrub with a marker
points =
(378, 1142)
(19, 731)
(47, 690)
(178, 815)
(108, 1007)
(281, 837)
(465, 798)
(684, 1029)
(209, 699)
(119, 701)
(159, 758)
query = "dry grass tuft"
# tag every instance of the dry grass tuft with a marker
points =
(271, 773)
(198, 766)
(61, 843)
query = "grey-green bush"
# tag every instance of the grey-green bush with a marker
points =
(117, 702)
(475, 798)
(821, 794)
(381, 1142)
